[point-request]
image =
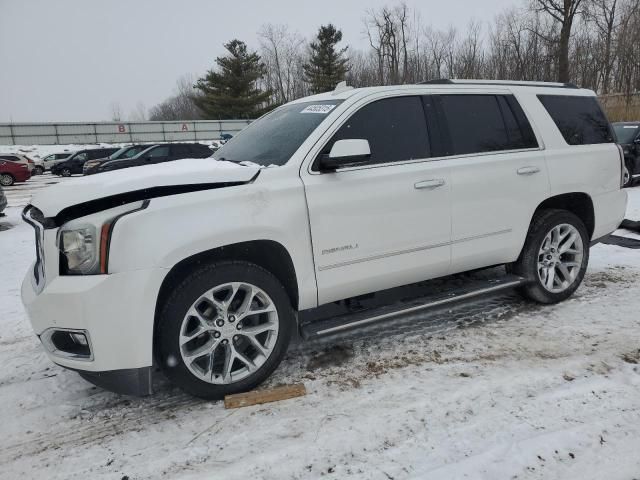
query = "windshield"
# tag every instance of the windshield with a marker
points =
(272, 139)
(117, 153)
(128, 152)
(626, 133)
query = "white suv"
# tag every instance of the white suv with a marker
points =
(206, 267)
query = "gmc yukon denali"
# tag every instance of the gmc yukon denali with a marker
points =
(205, 268)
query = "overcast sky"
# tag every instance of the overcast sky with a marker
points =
(70, 60)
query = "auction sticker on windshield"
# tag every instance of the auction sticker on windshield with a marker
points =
(318, 109)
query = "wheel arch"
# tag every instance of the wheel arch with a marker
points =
(578, 203)
(269, 254)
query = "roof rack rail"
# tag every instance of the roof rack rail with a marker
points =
(515, 83)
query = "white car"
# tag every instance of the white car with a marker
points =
(55, 158)
(206, 268)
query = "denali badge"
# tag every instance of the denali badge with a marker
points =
(339, 249)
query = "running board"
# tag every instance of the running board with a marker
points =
(477, 288)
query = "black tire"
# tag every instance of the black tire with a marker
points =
(6, 179)
(65, 172)
(627, 174)
(527, 264)
(38, 170)
(183, 297)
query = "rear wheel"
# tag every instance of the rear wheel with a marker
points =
(224, 329)
(66, 172)
(627, 179)
(6, 179)
(555, 256)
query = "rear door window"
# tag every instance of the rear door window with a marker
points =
(579, 119)
(159, 152)
(519, 131)
(395, 128)
(180, 151)
(475, 123)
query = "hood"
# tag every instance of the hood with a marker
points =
(197, 171)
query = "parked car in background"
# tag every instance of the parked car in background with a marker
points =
(55, 158)
(3, 201)
(38, 168)
(159, 154)
(19, 158)
(349, 196)
(628, 137)
(13, 171)
(91, 166)
(75, 162)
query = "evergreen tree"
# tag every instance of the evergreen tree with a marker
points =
(327, 65)
(231, 92)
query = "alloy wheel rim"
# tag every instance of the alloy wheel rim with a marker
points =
(560, 258)
(5, 180)
(626, 176)
(228, 333)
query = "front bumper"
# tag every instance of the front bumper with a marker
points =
(117, 311)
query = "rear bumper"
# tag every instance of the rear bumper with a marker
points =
(609, 209)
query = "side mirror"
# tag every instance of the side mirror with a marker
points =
(345, 153)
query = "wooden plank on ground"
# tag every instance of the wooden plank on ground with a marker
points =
(257, 397)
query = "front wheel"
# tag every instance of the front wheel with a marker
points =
(224, 329)
(6, 180)
(555, 256)
(65, 172)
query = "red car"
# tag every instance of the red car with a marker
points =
(11, 172)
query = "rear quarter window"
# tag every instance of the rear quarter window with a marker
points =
(580, 120)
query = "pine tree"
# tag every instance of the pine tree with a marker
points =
(231, 92)
(327, 65)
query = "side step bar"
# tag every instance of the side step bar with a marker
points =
(329, 326)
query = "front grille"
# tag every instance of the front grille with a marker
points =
(34, 217)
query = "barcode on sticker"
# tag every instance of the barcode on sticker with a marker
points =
(318, 109)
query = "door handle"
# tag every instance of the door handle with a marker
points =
(528, 170)
(433, 183)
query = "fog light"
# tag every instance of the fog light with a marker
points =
(74, 344)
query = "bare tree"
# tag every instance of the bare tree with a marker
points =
(179, 106)
(388, 32)
(283, 55)
(139, 114)
(564, 12)
(116, 112)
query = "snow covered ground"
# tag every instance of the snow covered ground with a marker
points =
(502, 389)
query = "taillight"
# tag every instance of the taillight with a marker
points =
(621, 153)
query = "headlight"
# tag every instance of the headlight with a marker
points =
(84, 247)
(80, 250)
